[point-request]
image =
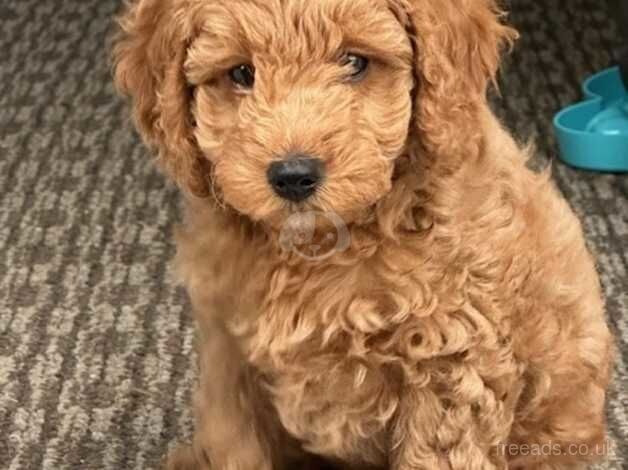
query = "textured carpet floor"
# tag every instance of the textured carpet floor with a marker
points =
(95, 339)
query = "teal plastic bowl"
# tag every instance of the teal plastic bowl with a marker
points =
(593, 134)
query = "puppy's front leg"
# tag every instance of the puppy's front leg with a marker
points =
(430, 434)
(234, 428)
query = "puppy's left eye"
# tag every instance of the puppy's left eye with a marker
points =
(243, 75)
(357, 64)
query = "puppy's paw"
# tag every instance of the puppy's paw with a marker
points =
(183, 458)
(312, 463)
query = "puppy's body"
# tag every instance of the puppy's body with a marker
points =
(484, 333)
(458, 318)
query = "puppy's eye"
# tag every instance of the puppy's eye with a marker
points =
(357, 64)
(243, 75)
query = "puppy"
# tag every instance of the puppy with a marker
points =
(377, 279)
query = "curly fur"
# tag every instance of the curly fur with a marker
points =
(464, 318)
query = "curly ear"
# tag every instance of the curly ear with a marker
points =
(458, 46)
(148, 55)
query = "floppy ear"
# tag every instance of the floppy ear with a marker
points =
(458, 45)
(149, 53)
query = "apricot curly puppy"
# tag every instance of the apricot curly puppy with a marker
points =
(378, 280)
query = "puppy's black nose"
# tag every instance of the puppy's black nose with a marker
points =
(296, 178)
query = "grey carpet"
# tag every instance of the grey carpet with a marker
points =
(96, 359)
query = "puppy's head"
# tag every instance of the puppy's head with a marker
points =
(279, 106)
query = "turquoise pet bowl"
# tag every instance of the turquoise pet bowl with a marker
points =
(593, 134)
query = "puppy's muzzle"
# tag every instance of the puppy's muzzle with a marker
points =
(296, 178)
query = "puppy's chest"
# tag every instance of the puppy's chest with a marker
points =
(334, 404)
(328, 388)
(338, 412)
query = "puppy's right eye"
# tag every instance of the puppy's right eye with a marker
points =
(243, 75)
(357, 64)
